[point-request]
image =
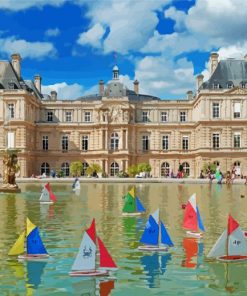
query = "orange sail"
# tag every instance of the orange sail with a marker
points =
(106, 260)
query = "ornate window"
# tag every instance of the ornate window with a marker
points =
(85, 165)
(183, 116)
(114, 170)
(216, 140)
(45, 168)
(145, 143)
(164, 116)
(165, 169)
(165, 142)
(144, 116)
(45, 142)
(216, 110)
(114, 141)
(237, 140)
(49, 117)
(68, 116)
(65, 143)
(84, 142)
(185, 143)
(11, 111)
(237, 109)
(229, 84)
(87, 116)
(65, 168)
(186, 168)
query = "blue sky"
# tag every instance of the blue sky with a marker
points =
(162, 43)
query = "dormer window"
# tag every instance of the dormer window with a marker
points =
(243, 84)
(11, 85)
(229, 84)
(216, 85)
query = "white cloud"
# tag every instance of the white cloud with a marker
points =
(25, 4)
(178, 16)
(130, 23)
(33, 50)
(52, 32)
(64, 90)
(237, 51)
(92, 37)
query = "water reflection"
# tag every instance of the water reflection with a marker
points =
(34, 273)
(155, 265)
(93, 287)
(193, 252)
(230, 277)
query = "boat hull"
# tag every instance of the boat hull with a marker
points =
(93, 273)
(153, 248)
(46, 202)
(37, 257)
(132, 214)
(234, 258)
(194, 234)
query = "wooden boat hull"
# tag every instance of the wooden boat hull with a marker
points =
(37, 257)
(132, 214)
(94, 273)
(234, 258)
(194, 234)
(153, 248)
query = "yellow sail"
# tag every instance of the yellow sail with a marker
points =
(30, 226)
(132, 192)
(18, 247)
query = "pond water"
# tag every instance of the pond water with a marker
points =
(182, 271)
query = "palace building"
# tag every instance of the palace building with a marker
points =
(119, 127)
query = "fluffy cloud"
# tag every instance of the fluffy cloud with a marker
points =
(130, 23)
(178, 16)
(52, 32)
(33, 50)
(25, 4)
(237, 51)
(92, 37)
(64, 90)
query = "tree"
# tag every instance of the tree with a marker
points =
(133, 170)
(144, 167)
(93, 169)
(76, 168)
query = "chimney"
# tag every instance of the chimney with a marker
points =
(101, 87)
(136, 87)
(199, 81)
(37, 82)
(189, 95)
(213, 62)
(16, 63)
(53, 95)
(245, 58)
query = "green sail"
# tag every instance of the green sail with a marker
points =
(129, 204)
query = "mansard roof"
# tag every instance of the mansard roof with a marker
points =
(227, 72)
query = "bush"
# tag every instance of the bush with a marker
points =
(212, 166)
(60, 174)
(76, 168)
(93, 170)
(133, 170)
(122, 174)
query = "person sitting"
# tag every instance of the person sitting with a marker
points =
(201, 175)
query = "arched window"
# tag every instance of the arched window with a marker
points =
(84, 168)
(217, 163)
(243, 84)
(114, 169)
(186, 167)
(229, 84)
(165, 169)
(65, 168)
(45, 168)
(114, 141)
(237, 168)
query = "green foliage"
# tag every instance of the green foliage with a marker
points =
(133, 170)
(92, 169)
(144, 167)
(122, 174)
(212, 166)
(60, 174)
(76, 168)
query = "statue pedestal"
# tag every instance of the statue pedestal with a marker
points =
(10, 190)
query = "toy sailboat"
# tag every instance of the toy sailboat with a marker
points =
(192, 218)
(132, 204)
(155, 236)
(85, 261)
(35, 249)
(76, 185)
(231, 246)
(47, 196)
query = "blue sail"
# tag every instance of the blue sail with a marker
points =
(151, 232)
(139, 207)
(165, 238)
(34, 243)
(199, 220)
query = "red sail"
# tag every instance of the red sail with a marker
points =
(105, 257)
(232, 224)
(91, 231)
(52, 195)
(190, 218)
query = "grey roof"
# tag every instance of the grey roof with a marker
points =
(228, 71)
(31, 87)
(8, 76)
(90, 97)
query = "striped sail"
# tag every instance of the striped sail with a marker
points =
(85, 259)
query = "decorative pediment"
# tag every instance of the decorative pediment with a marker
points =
(114, 112)
(237, 91)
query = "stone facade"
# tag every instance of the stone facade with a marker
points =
(120, 127)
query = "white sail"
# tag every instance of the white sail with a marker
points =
(237, 244)
(156, 216)
(192, 201)
(85, 259)
(219, 248)
(45, 195)
(77, 185)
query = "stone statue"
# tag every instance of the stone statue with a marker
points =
(10, 168)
